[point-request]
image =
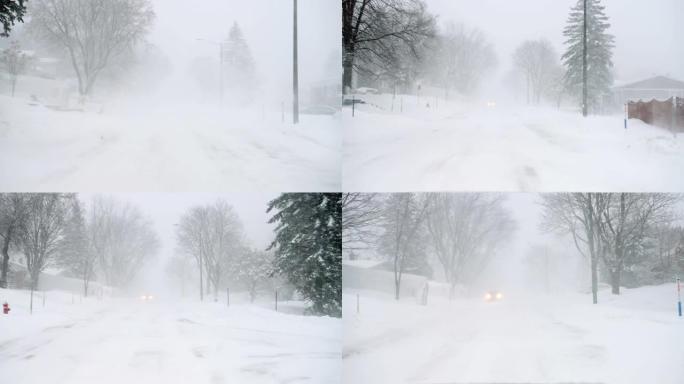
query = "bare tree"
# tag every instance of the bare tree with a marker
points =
(372, 28)
(192, 238)
(180, 269)
(361, 213)
(254, 269)
(15, 63)
(669, 242)
(213, 236)
(13, 210)
(122, 238)
(403, 238)
(538, 265)
(42, 231)
(76, 255)
(578, 214)
(225, 242)
(624, 224)
(538, 62)
(465, 231)
(608, 227)
(93, 32)
(464, 56)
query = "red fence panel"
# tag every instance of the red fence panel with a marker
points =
(667, 114)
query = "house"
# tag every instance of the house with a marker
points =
(376, 275)
(658, 88)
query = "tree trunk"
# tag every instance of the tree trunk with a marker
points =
(594, 279)
(5, 259)
(34, 280)
(348, 73)
(585, 91)
(397, 279)
(615, 281)
(252, 293)
(201, 285)
(216, 292)
(14, 86)
(89, 87)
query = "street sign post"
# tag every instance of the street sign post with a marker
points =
(679, 297)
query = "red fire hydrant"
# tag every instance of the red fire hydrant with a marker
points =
(5, 309)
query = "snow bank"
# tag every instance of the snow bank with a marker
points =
(131, 341)
(632, 338)
(474, 147)
(164, 147)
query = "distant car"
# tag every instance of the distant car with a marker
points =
(146, 297)
(318, 110)
(491, 296)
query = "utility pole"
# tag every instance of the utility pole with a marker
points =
(585, 107)
(200, 269)
(221, 67)
(546, 269)
(221, 63)
(295, 71)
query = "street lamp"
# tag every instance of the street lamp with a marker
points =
(221, 61)
(295, 69)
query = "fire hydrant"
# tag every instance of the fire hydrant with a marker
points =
(5, 308)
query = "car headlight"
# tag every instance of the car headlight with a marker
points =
(499, 295)
(488, 296)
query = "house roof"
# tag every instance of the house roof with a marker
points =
(362, 263)
(658, 82)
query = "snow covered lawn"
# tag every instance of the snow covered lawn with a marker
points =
(130, 341)
(473, 147)
(634, 338)
(165, 148)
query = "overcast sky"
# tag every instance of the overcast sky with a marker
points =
(267, 28)
(647, 33)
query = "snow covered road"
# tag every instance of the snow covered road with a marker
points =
(165, 149)
(127, 341)
(634, 338)
(471, 147)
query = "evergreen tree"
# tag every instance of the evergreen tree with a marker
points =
(308, 247)
(589, 54)
(75, 256)
(11, 11)
(238, 64)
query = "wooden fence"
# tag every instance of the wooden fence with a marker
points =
(667, 114)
